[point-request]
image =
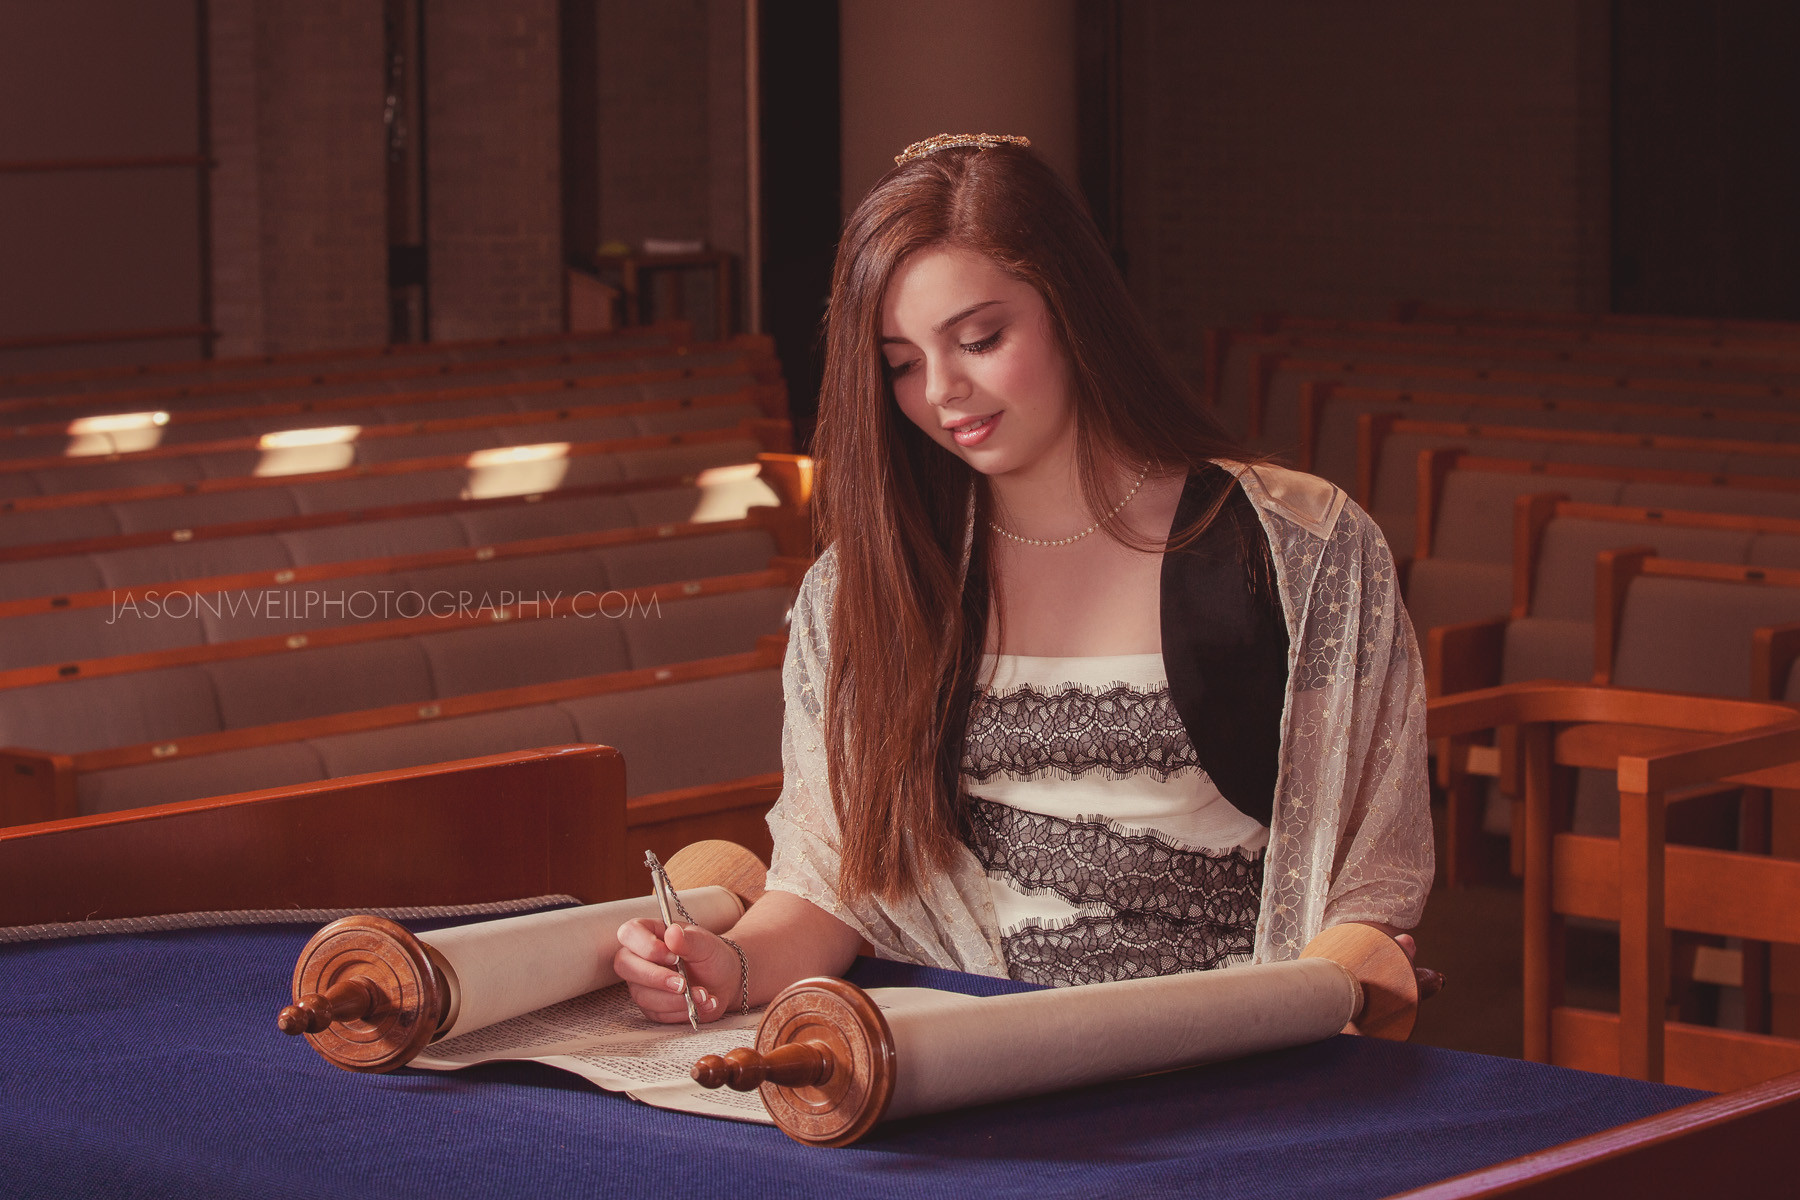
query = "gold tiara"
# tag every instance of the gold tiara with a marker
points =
(947, 141)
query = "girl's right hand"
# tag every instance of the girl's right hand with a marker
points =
(646, 962)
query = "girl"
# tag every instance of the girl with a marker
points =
(1077, 690)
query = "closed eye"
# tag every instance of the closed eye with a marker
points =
(985, 344)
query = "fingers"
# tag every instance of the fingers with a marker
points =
(643, 959)
(669, 1007)
(643, 937)
(1406, 943)
(646, 962)
(693, 944)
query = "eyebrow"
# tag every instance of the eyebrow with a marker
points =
(948, 322)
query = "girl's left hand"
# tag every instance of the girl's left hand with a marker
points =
(1430, 982)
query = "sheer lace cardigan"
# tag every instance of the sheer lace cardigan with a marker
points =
(1350, 835)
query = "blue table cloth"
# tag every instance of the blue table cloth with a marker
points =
(150, 1065)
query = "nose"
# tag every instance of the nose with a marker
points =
(945, 382)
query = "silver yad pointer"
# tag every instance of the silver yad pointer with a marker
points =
(665, 893)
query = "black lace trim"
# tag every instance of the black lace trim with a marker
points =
(1126, 946)
(1027, 733)
(1172, 910)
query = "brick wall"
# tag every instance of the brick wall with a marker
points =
(946, 66)
(299, 245)
(299, 194)
(236, 179)
(653, 120)
(727, 134)
(671, 129)
(493, 168)
(1329, 158)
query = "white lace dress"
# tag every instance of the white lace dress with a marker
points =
(1108, 851)
(1350, 835)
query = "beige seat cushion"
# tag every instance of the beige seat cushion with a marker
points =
(193, 778)
(444, 741)
(688, 734)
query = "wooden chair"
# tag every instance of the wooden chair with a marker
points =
(1730, 601)
(1555, 608)
(1390, 449)
(1464, 655)
(1776, 342)
(1242, 365)
(507, 826)
(1329, 410)
(1774, 651)
(1287, 376)
(1435, 312)
(1657, 744)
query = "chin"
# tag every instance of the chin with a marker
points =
(989, 464)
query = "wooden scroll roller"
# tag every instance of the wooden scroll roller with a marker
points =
(831, 1065)
(370, 995)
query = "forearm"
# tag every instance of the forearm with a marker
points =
(785, 939)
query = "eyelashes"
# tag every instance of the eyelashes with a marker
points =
(983, 346)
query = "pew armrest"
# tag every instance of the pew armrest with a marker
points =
(1463, 657)
(35, 786)
(1776, 649)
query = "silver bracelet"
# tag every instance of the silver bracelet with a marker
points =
(743, 975)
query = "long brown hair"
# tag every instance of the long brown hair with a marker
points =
(909, 618)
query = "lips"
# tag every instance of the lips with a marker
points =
(974, 430)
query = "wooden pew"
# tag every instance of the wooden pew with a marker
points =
(38, 785)
(547, 383)
(257, 451)
(768, 435)
(482, 611)
(722, 487)
(38, 650)
(503, 827)
(107, 387)
(449, 350)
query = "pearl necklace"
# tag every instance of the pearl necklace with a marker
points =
(1007, 533)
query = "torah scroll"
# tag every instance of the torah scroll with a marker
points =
(370, 995)
(831, 1062)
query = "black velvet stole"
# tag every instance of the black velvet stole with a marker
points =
(1225, 643)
